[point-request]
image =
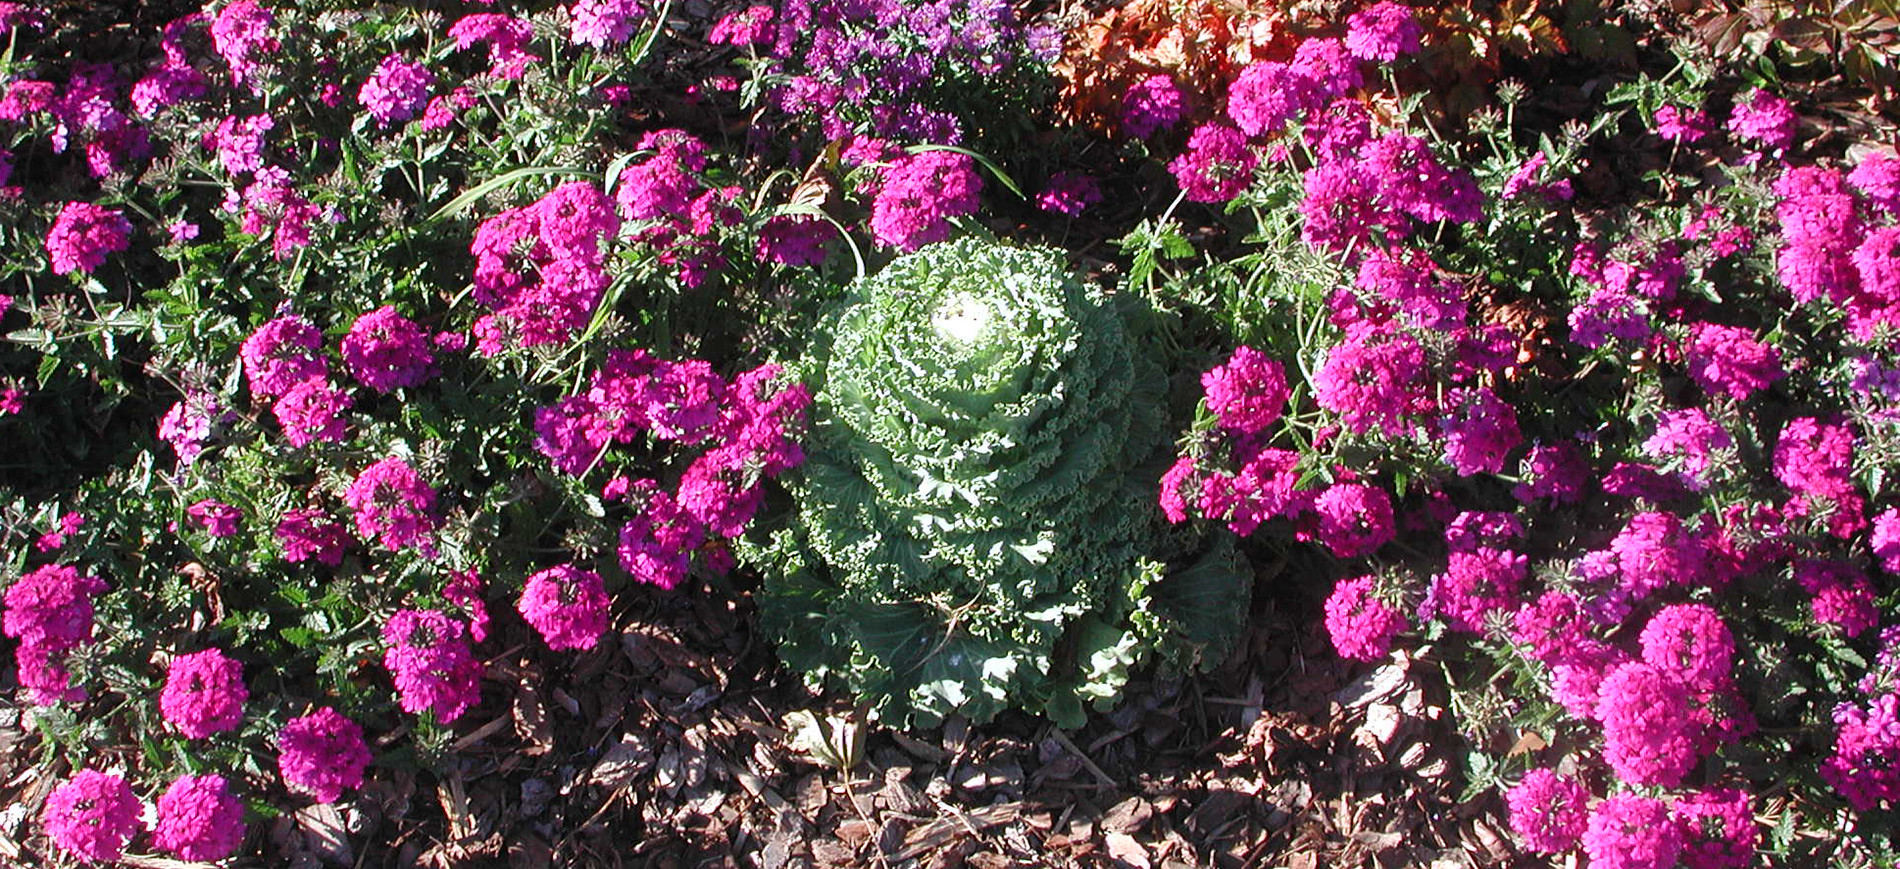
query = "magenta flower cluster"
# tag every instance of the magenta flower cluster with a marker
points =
(322, 754)
(678, 215)
(542, 267)
(432, 662)
(204, 693)
(392, 504)
(49, 611)
(567, 606)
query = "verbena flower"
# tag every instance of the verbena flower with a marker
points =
(1248, 392)
(397, 90)
(1352, 519)
(1866, 741)
(1217, 165)
(1151, 105)
(241, 35)
(322, 754)
(505, 37)
(1649, 735)
(392, 504)
(430, 660)
(604, 23)
(385, 350)
(1474, 585)
(199, 819)
(567, 606)
(239, 142)
(1069, 193)
(216, 517)
(83, 234)
(657, 544)
(1764, 119)
(281, 354)
(921, 193)
(1692, 644)
(1549, 811)
(1631, 832)
(1840, 597)
(1684, 126)
(49, 610)
(204, 693)
(1383, 32)
(313, 411)
(1718, 829)
(308, 532)
(1361, 626)
(1728, 359)
(91, 816)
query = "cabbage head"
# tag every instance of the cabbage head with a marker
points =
(975, 527)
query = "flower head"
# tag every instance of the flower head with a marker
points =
(321, 754)
(204, 693)
(199, 819)
(567, 605)
(92, 816)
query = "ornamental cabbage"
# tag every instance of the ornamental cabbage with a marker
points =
(974, 527)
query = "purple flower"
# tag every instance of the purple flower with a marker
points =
(1383, 31)
(657, 544)
(1352, 519)
(204, 693)
(313, 411)
(1866, 741)
(1248, 392)
(397, 90)
(1766, 119)
(1361, 625)
(1728, 359)
(49, 610)
(1266, 95)
(1548, 811)
(434, 668)
(795, 240)
(1691, 644)
(199, 819)
(1631, 832)
(921, 193)
(1685, 126)
(83, 234)
(392, 504)
(567, 606)
(1474, 585)
(604, 23)
(308, 533)
(385, 350)
(321, 754)
(1718, 829)
(1069, 193)
(216, 517)
(91, 816)
(1151, 105)
(1649, 734)
(240, 142)
(281, 354)
(1217, 165)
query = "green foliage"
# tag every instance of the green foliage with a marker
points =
(975, 517)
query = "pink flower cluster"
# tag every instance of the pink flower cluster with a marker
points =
(385, 350)
(309, 533)
(92, 816)
(918, 196)
(434, 667)
(542, 268)
(679, 215)
(204, 693)
(199, 819)
(49, 611)
(392, 504)
(397, 91)
(505, 37)
(83, 234)
(567, 606)
(322, 754)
